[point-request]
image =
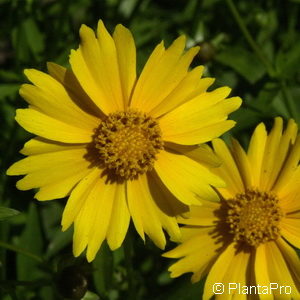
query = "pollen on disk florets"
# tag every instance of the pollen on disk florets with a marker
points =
(128, 142)
(254, 217)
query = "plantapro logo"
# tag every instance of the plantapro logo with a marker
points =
(237, 288)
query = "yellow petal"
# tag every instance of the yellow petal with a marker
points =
(40, 124)
(288, 191)
(237, 273)
(290, 166)
(191, 244)
(77, 198)
(256, 152)
(202, 154)
(291, 258)
(91, 223)
(165, 200)
(198, 252)
(69, 81)
(187, 232)
(95, 66)
(200, 119)
(126, 54)
(144, 211)
(89, 83)
(294, 214)
(243, 163)
(218, 270)
(47, 160)
(61, 188)
(204, 215)
(108, 64)
(168, 206)
(105, 197)
(189, 87)
(270, 155)
(51, 98)
(290, 230)
(262, 275)
(55, 173)
(141, 86)
(279, 272)
(228, 169)
(162, 72)
(39, 146)
(175, 75)
(119, 220)
(288, 139)
(185, 178)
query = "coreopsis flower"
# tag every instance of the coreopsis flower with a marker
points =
(121, 147)
(244, 243)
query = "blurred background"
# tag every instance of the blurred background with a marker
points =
(251, 46)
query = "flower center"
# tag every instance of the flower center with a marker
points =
(254, 217)
(128, 142)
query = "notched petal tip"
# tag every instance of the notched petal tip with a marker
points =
(225, 91)
(122, 31)
(18, 116)
(194, 50)
(85, 32)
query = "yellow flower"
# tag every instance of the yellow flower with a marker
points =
(122, 147)
(245, 239)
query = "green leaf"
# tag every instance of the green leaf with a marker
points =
(262, 102)
(246, 118)
(243, 62)
(34, 37)
(60, 240)
(287, 62)
(31, 240)
(90, 296)
(183, 290)
(20, 45)
(6, 212)
(28, 41)
(8, 75)
(8, 90)
(103, 270)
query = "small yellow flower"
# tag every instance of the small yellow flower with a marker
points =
(246, 238)
(122, 147)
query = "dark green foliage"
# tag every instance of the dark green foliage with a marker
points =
(35, 256)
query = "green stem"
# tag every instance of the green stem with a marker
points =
(21, 251)
(128, 251)
(250, 40)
